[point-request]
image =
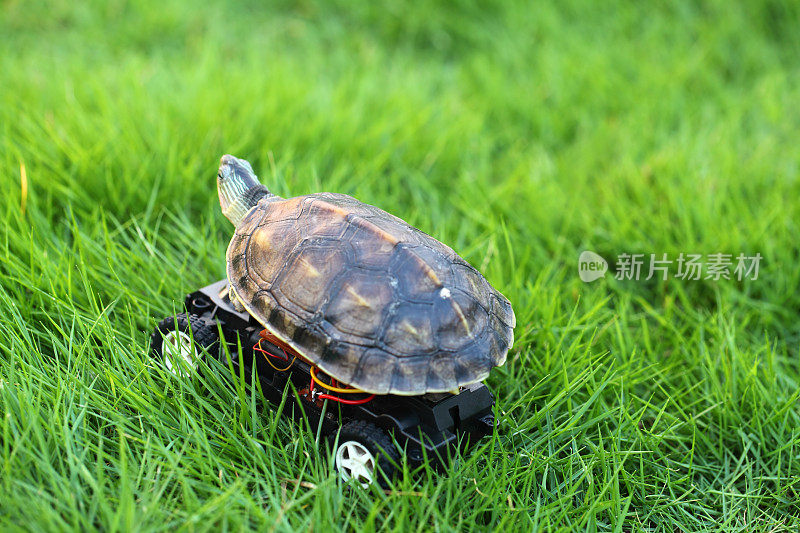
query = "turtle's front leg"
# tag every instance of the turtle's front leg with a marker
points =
(237, 305)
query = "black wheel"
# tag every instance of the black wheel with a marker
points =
(180, 342)
(361, 447)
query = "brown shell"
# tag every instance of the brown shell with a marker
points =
(373, 301)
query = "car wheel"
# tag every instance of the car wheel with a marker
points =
(365, 453)
(180, 342)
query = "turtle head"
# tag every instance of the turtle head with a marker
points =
(238, 187)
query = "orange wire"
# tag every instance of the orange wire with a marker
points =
(263, 352)
(313, 371)
(319, 382)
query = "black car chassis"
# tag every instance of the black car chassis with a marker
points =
(429, 427)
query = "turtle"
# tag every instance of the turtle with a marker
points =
(367, 298)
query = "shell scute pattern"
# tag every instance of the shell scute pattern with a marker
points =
(409, 332)
(372, 301)
(357, 303)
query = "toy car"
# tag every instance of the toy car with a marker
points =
(361, 427)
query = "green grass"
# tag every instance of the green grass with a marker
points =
(520, 134)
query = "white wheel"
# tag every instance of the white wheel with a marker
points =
(180, 353)
(180, 342)
(355, 461)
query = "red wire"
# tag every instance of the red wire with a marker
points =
(268, 337)
(262, 351)
(340, 400)
(348, 402)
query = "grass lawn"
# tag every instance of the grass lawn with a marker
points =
(519, 133)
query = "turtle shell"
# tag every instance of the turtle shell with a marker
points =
(371, 300)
